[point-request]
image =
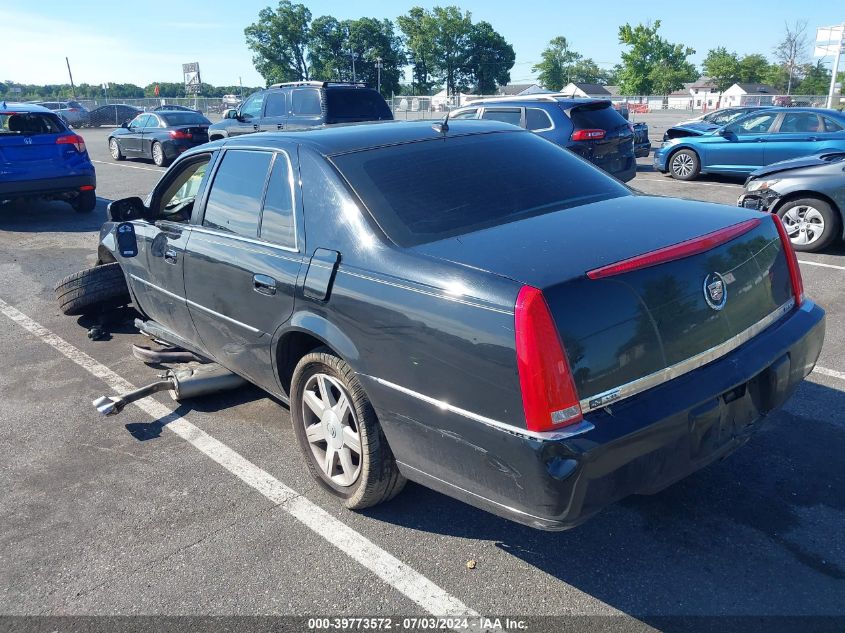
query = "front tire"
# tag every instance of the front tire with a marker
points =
(684, 165)
(339, 434)
(159, 157)
(811, 224)
(85, 202)
(93, 290)
(114, 148)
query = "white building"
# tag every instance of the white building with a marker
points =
(748, 94)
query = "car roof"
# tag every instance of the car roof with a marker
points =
(23, 107)
(564, 102)
(188, 111)
(351, 137)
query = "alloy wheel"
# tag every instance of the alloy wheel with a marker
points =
(158, 157)
(115, 150)
(682, 164)
(804, 224)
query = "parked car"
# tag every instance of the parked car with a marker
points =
(301, 105)
(231, 101)
(72, 112)
(112, 114)
(642, 144)
(172, 107)
(435, 304)
(807, 193)
(40, 157)
(161, 136)
(753, 141)
(708, 122)
(592, 128)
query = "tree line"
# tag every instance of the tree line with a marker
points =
(168, 90)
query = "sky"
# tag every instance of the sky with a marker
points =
(109, 42)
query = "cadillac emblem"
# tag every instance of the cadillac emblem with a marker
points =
(715, 291)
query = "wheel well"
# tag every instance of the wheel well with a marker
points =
(797, 195)
(678, 149)
(104, 256)
(290, 349)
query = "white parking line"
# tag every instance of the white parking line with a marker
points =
(801, 261)
(390, 569)
(103, 162)
(672, 180)
(824, 371)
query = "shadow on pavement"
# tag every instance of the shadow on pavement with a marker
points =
(54, 216)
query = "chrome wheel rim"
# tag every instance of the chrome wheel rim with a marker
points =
(804, 224)
(115, 150)
(331, 428)
(157, 156)
(682, 164)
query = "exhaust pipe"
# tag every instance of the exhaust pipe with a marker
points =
(182, 385)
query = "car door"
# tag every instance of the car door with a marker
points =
(740, 146)
(243, 262)
(275, 111)
(149, 134)
(250, 116)
(306, 109)
(156, 273)
(130, 140)
(798, 134)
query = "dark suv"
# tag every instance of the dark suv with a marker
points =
(591, 128)
(300, 105)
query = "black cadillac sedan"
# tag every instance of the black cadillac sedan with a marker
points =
(161, 136)
(435, 304)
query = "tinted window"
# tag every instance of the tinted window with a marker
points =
(306, 102)
(185, 118)
(505, 115)
(799, 122)
(757, 123)
(468, 183)
(234, 201)
(177, 201)
(466, 114)
(356, 104)
(29, 123)
(153, 121)
(140, 121)
(537, 119)
(831, 126)
(276, 105)
(598, 116)
(252, 106)
(277, 224)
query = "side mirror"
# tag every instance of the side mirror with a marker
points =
(231, 114)
(125, 124)
(127, 209)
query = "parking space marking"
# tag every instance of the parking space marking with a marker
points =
(702, 184)
(104, 162)
(390, 569)
(824, 371)
(802, 261)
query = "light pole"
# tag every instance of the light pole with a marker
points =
(378, 71)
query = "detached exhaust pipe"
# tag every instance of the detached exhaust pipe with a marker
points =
(182, 385)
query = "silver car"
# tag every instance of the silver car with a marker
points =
(73, 112)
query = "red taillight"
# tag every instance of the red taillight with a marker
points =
(791, 260)
(73, 109)
(72, 139)
(588, 135)
(548, 390)
(676, 251)
(87, 188)
(181, 134)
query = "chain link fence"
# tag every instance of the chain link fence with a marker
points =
(206, 105)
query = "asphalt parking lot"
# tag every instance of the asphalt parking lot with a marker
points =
(122, 516)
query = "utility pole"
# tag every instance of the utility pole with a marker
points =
(836, 57)
(70, 74)
(378, 70)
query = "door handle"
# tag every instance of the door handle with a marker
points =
(280, 126)
(171, 256)
(255, 126)
(264, 284)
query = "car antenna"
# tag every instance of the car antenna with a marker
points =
(443, 126)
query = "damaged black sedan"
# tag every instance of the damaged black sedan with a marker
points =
(435, 304)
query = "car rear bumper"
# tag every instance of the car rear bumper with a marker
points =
(173, 149)
(47, 186)
(640, 445)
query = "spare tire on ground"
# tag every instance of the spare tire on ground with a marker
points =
(93, 290)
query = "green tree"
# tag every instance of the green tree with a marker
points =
(558, 60)
(279, 41)
(652, 65)
(452, 31)
(490, 59)
(753, 68)
(791, 51)
(417, 26)
(777, 77)
(587, 71)
(371, 40)
(722, 67)
(816, 80)
(328, 50)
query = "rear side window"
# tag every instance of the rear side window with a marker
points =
(799, 122)
(599, 116)
(468, 183)
(356, 104)
(537, 119)
(831, 126)
(277, 223)
(505, 115)
(276, 104)
(234, 202)
(185, 118)
(466, 114)
(29, 123)
(306, 102)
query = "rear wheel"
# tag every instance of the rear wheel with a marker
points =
(158, 155)
(93, 290)
(811, 224)
(85, 202)
(114, 148)
(684, 165)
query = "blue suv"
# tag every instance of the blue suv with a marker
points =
(40, 157)
(591, 128)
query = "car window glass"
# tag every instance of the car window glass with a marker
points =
(184, 118)
(466, 114)
(29, 123)
(306, 102)
(277, 223)
(799, 122)
(537, 119)
(753, 124)
(276, 105)
(831, 126)
(152, 121)
(505, 115)
(252, 106)
(177, 201)
(234, 202)
(138, 122)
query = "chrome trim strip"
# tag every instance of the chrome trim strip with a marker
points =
(159, 288)
(196, 305)
(612, 396)
(566, 432)
(240, 238)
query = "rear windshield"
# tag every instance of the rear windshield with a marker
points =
(426, 191)
(598, 116)
(356, 104)
(30, 123)
(185, 118)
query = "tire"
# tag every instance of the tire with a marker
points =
(114, 148)
(159, 158)
(375, 478)
(93, 290)
(85, 202)
(684, 165)
(812, 224)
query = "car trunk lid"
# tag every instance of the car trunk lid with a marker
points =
(29, 144)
